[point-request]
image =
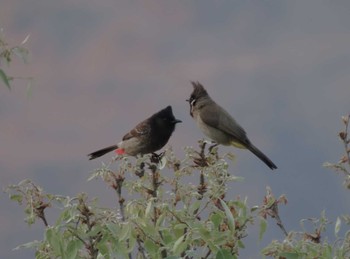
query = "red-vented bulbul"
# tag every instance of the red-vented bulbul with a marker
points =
(148, 136)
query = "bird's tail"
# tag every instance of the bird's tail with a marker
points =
(101, 152)
(262, 156)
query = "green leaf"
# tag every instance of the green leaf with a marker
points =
(167, 236)
(254, 208)
(204, 233)
(5, 79)
(194, 207)
(337, 226)
(73, 248)
(180, 226)
(224, 254)
(231, 156)
(229, 216)
(160, 220)
(151, 247)
(94, 231)
(33, 244)
(290, 255)
(220, 238)
(148, 227)
(216, 218)
(178, 248)
(125, 232)
(103, 250)
(262, 229)
(112, 227)
(240, 244)
(148, 208)
(53, 240)
(132, 243)
(16, 197)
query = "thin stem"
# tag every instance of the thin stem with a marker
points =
(141, 248)
(274, 214)
(155, 185)
(77, 236)
(85, 214)
(346, 141)
(119, 179)
(146, 235)
(117, 186)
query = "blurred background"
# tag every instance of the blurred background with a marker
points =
(280, 68)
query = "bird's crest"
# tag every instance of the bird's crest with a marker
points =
(198, 90)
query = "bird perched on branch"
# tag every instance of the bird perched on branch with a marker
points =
(148, 136)
(217, 124)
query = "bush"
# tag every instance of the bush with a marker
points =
(161, 216)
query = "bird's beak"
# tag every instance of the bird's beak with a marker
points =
(176, 121)
(188, 100)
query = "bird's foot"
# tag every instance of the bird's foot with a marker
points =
(156, 158)
(212, 146)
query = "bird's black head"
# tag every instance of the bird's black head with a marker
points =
(166, 119)
(163, 125)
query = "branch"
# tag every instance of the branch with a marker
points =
(344, 137)
(117, 186)
(86, 219)
(270, 208)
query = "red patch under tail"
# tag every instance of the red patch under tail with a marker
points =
(120, 151)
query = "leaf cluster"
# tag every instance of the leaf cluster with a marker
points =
(7, 53)
(160, 214)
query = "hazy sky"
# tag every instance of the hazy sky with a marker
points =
(281, 68)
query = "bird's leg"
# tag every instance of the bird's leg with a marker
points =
(212, 146)
(155, 158)
(202, 155)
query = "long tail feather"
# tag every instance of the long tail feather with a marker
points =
(262, 156)
(101, 152)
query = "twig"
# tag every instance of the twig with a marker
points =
(202, 187)
(146, 235)
(117, 186)
(86, 219)
(77, 236)
(207, 255)
(155, 185)
(278, 219)
(204, 207)
(270, 208)
(201, 161)
(141, 248)
(40, 212)
(177, 218)
(346, 140)
(119, 179)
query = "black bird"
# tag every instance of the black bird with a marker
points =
(148, 136)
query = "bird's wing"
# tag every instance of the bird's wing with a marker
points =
(219, 118)
(142, 128)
